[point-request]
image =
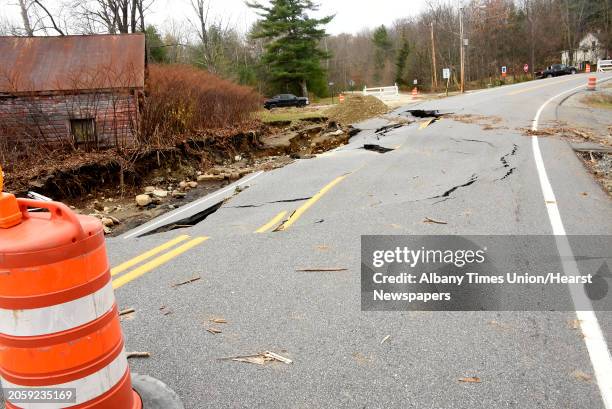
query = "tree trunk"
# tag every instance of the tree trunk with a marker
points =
(304, 88)
(26, 20)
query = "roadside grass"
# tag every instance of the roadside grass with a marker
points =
(289, 114)
(599, 100)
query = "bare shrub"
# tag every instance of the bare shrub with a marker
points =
(182, 101)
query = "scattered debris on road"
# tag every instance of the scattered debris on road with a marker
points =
(214, 331)
(581, 376)
(593, 148)
(218, 321)
(385, 339)
(320, 269)
(138, 355)
(487, 123)
(259, 359)
(573, 324)
(126, 311)
(434, 221)
(471, 379)
(164, 310)
(191, 280)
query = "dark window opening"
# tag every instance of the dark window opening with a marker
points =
(84, 132)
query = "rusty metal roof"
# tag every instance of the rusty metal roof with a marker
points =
(38, 64)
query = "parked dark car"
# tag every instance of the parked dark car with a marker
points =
(285, 100)
(556, 70)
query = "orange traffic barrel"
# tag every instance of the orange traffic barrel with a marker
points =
(415, 92)
(59, 325)
(592, 85)
(341, 98)
(587, 68)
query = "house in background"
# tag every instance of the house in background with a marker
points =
(589, 51)
(84, 91)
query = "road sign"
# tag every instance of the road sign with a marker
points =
(351, 83)
(446, 73)
(415, 82)
(526, 68)
(504, 71)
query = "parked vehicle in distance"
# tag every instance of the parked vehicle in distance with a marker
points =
(285, 100)
(556, 70)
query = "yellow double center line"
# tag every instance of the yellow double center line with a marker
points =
(300, 211)
(154, 263)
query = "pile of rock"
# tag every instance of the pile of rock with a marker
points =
(101, 212)
(152, 196)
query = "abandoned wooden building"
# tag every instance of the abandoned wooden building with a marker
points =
(81, 91)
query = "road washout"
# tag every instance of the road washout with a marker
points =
(161, 180)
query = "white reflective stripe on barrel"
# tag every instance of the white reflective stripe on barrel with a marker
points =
(57, 318)
(87, 388)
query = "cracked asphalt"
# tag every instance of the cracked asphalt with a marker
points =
(479, 177)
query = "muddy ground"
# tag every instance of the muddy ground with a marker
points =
(172, 177)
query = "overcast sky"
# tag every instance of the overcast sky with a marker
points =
(351, 15)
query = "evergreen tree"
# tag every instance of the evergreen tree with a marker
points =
(155, 45)
(400, 62)
(383, 48)
(292, 42)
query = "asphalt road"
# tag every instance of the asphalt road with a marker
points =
(524, 359)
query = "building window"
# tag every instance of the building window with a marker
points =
(84, 132)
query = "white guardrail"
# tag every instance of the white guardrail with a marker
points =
(604, 65)
(382, 92)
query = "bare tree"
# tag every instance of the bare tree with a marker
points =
(210, 33)
(111, 16)
(36, 16)
(24, 5)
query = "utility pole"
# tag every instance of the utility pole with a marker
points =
(433, 57)
(462, 75)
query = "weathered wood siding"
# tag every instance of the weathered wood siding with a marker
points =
(45, 119)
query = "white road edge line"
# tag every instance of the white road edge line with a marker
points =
(192, 205)
(593, 337)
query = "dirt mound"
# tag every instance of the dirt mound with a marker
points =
(357, 108)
